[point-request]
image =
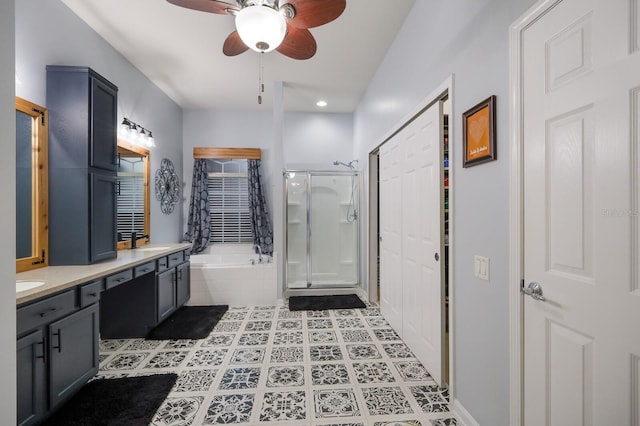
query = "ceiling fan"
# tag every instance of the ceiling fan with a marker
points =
(266, 25)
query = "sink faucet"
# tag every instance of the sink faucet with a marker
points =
(256, 246)
(134, 239)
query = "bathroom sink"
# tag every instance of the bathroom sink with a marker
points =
(153, 248)
(27, 285)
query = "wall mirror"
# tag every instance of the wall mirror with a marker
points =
(32, 197)
(133, 194)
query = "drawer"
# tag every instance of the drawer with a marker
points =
(187, 255)
(175, 259)
(163, 263)
(119, 278)
(90, 293)
(45, 311)
(144, 268)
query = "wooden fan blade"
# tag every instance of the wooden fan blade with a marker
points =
(211, 6)
(298, 43)
(233, 45)
(313, 13)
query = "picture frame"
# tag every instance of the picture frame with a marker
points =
(479, 133)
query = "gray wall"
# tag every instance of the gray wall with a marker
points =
(316, 140)
(7, 216)
(48, 32)
(469, 39)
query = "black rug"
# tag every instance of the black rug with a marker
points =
(189, 322)
(128, 401)
(321, 303)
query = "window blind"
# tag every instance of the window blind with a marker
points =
(229, 208)
(130, 204)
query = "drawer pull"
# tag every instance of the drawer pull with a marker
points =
(93, 294)
(59, 347)
(47, 313)
(145, 270)
(119, 280)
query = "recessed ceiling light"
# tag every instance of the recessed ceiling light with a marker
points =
(321, 104)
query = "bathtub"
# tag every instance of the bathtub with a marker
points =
(225, 275)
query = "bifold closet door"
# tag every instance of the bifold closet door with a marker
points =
(391, 234)
(410, 227)
(421, 239)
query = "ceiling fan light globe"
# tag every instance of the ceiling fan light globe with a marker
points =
(261, 28)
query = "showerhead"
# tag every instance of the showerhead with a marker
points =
(350, 165)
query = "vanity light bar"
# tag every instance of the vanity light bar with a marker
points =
(135, 133)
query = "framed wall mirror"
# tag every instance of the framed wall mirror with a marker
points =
(133, 194)
(32, 195)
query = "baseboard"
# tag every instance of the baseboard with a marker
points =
(462, 415)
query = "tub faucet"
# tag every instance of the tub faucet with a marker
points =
(256, 246)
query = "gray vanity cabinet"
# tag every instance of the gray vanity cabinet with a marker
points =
(73, 352)
(103, 223)
(82, 166)
(166, 294)
(57, 352)
(31, 363)
(173, 283)
(183, 283)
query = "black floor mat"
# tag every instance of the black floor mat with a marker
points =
(128, 401)
(321, 303)
(189, 322)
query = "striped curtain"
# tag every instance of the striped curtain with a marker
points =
(199, 222)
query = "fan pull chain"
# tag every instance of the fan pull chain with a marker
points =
(260, 79)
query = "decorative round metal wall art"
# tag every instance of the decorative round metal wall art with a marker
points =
(167, 186)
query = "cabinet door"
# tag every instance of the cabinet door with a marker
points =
(183, 284)
(73, 343)
(31, 377)
(166, 294)
(103, 125)
(103, 223)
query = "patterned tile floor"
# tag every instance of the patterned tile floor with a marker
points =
(265, 365)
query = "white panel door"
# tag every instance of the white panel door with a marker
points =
(581, 97)
(391, 234)
(421, 239)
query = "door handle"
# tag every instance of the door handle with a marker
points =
(534, 290)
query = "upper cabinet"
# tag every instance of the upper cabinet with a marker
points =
(82, 166)
(83, 110)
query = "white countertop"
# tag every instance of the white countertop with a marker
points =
(58, 278)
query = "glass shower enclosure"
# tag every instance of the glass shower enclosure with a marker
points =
(322, 231)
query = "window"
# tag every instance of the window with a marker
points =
(229, 202)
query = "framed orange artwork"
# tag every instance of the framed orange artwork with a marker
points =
(479, 133)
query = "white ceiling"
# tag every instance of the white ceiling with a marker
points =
(180, 50)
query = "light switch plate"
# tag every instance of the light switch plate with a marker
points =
(481, 267)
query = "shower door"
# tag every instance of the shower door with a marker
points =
(322, 229)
